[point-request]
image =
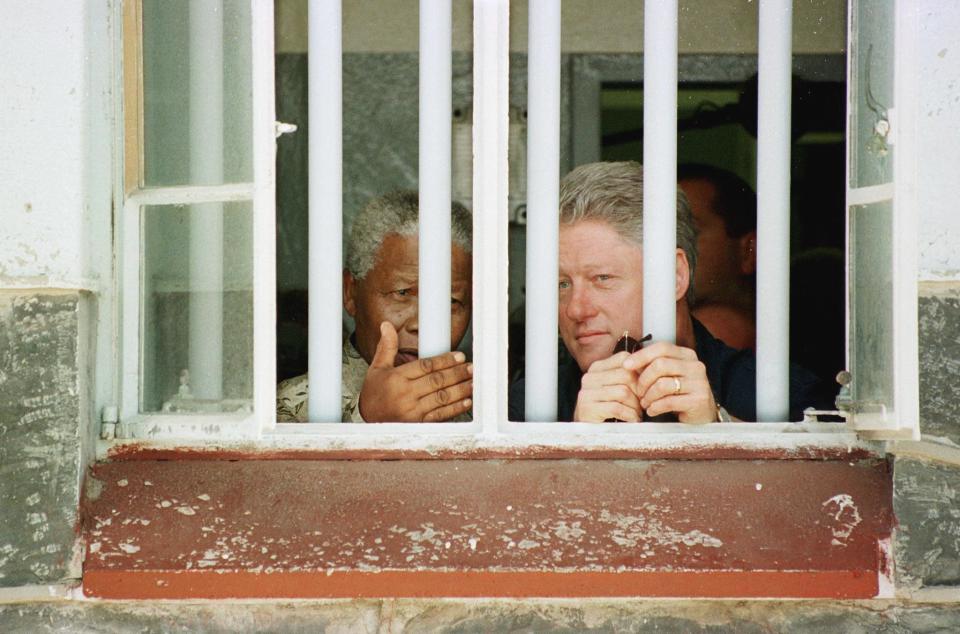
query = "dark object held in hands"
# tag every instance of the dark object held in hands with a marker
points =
(626, 343)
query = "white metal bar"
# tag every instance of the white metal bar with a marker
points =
(264, 216)
(436, 112)
(516, 437)
(192, 194)
(906, 212)
(131, 317)
(660, 168)
(773, 206)
(543, 184)
(325, 193)
(491, 124)
(206, 219)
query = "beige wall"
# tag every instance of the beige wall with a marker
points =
(589, 26)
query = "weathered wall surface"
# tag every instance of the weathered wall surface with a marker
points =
(41, 407)
(611, 26)
(482, 616)
(940, 360)
(927, 505)
(55, 251)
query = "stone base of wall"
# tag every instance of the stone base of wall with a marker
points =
(42, 406)
(482, 616)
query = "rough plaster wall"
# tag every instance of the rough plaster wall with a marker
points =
(40, 416)
(43, 124)
(927, 539)
(610, 26)
(940, 362)
(939, 112)
(623, 615)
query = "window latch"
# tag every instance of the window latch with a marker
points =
(844, 402)
(280, 128)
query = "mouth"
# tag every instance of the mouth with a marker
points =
(405, 355)
(589, 337)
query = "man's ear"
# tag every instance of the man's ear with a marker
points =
(683, 274)
(747, 244)
(349, 293)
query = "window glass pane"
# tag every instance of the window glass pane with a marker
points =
(871, 303)
(196, 92)
(197, 307)
(871, 64)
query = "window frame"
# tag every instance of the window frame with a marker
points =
(134, 196)
(490, 431)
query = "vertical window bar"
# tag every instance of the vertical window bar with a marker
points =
(491, 37)
(264, 215)
(660, 168)
(773, 206)
(325, 200)
(436, 121)
(206, 222)
(543, 183)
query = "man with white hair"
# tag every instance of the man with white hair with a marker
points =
(383, 378)
(698, 379)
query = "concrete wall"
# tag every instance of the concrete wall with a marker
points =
(927, 492)
(485, 616)
(55, 273)
(611, 26)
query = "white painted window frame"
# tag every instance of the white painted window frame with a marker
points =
(490, 428)
(260, 193)
(902, 421)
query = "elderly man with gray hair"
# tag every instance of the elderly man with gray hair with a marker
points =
(384, 379)
(696, 380)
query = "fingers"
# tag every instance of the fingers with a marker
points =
(386, 348)
(442, 377)
(600, 404)
(615, 361)
(672, 379)
(446, 395)
(615, 376)
(667, 368)
(448, 403)
(680, 385)
(642, 358)
(427, 365)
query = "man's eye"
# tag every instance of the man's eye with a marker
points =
(603, 277)
(403, 292)
(564, 285)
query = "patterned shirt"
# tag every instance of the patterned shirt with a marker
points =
(292, 393)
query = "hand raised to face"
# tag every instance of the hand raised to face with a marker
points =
(423, 390)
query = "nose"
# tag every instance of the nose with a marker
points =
(412, 322)
(579, 304)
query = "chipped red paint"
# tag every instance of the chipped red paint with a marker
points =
(206, 584)
(146, 451)
(520, 528)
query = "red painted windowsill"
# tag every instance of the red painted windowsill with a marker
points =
(473, 528)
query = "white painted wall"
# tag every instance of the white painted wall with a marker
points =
(55, 165)
(589, 26)
(938, 185)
